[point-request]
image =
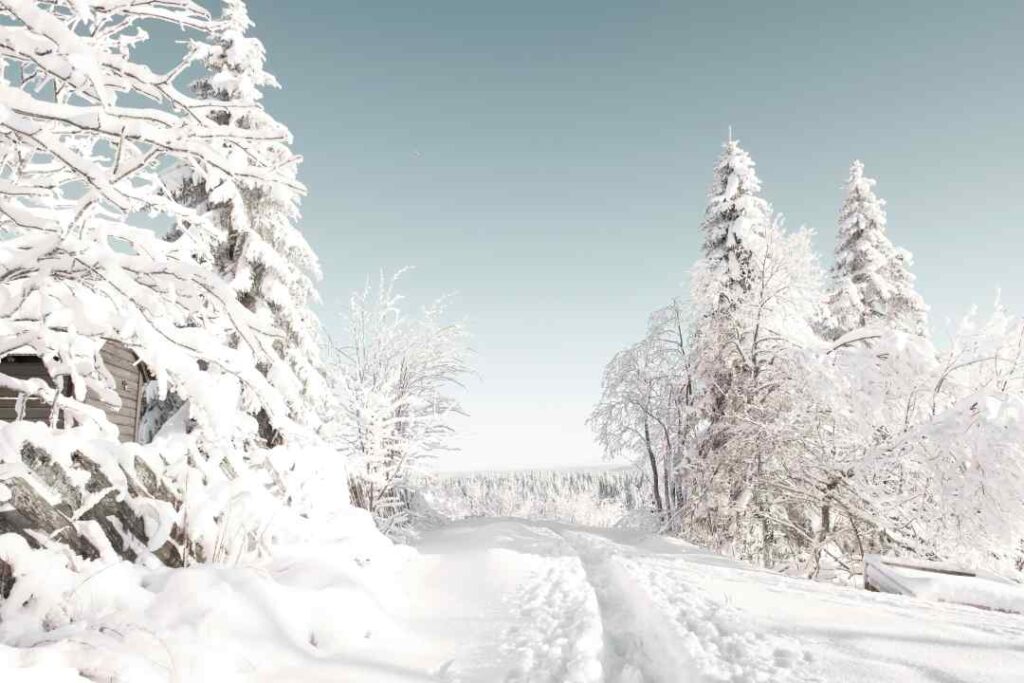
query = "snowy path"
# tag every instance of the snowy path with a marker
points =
(503, 601)
(509, 600)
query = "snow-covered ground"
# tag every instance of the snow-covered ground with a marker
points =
(511, 600)
(607, 605)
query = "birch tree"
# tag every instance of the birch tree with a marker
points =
(645, 410)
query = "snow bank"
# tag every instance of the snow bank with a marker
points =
(177, 499)
(314, 607)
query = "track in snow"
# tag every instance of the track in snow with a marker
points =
(588, 605)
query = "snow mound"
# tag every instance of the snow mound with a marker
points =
(310, 608)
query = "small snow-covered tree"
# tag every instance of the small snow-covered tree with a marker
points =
(645, 410)
(871, 280)
(395, 375)
(248, 231)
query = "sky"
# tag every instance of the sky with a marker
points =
(547, 163)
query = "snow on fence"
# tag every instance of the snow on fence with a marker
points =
(942, 583)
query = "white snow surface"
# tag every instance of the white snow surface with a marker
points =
(501, 600)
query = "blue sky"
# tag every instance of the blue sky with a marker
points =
(548, 162)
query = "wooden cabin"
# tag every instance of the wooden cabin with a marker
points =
(129, 377)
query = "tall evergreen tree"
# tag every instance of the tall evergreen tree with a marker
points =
(755, 292)
(871, 279)
(250, 237)
(735, 225)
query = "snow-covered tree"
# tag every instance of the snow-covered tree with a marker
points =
(395, 375)
(87, 137)
(77, 167)
(736, 226)
(736, 221)
(871, 280)
(711, 394)
(748, 371)
(965, 456)
(804, 446)
(752, 296)
(598, 496)
(248, 230)
(645, 411)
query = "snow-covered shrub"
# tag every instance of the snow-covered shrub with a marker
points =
(69, 618)
(394, 376)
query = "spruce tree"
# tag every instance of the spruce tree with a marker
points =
(735, 225)
(871, 279)
(80, 164)
(755, 291)
(251, 238)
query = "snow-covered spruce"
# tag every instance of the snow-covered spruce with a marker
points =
(736, 222)
(871, 280)
(247, 233)
(87, 138)
(747, 352)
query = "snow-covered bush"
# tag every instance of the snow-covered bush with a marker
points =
(71, 619)
(394, 375)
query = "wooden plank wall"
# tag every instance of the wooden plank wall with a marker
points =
(123, 365)
(23, 367)
(128, 379)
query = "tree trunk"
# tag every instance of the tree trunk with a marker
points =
(654, 468)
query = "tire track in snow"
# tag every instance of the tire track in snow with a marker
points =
(660, 628)
(637, 648)
(558, 636)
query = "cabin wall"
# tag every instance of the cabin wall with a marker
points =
(23, 367)
(123, 367)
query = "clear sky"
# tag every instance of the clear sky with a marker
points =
(548, 162)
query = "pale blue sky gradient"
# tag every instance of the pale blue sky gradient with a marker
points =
(548, 161)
